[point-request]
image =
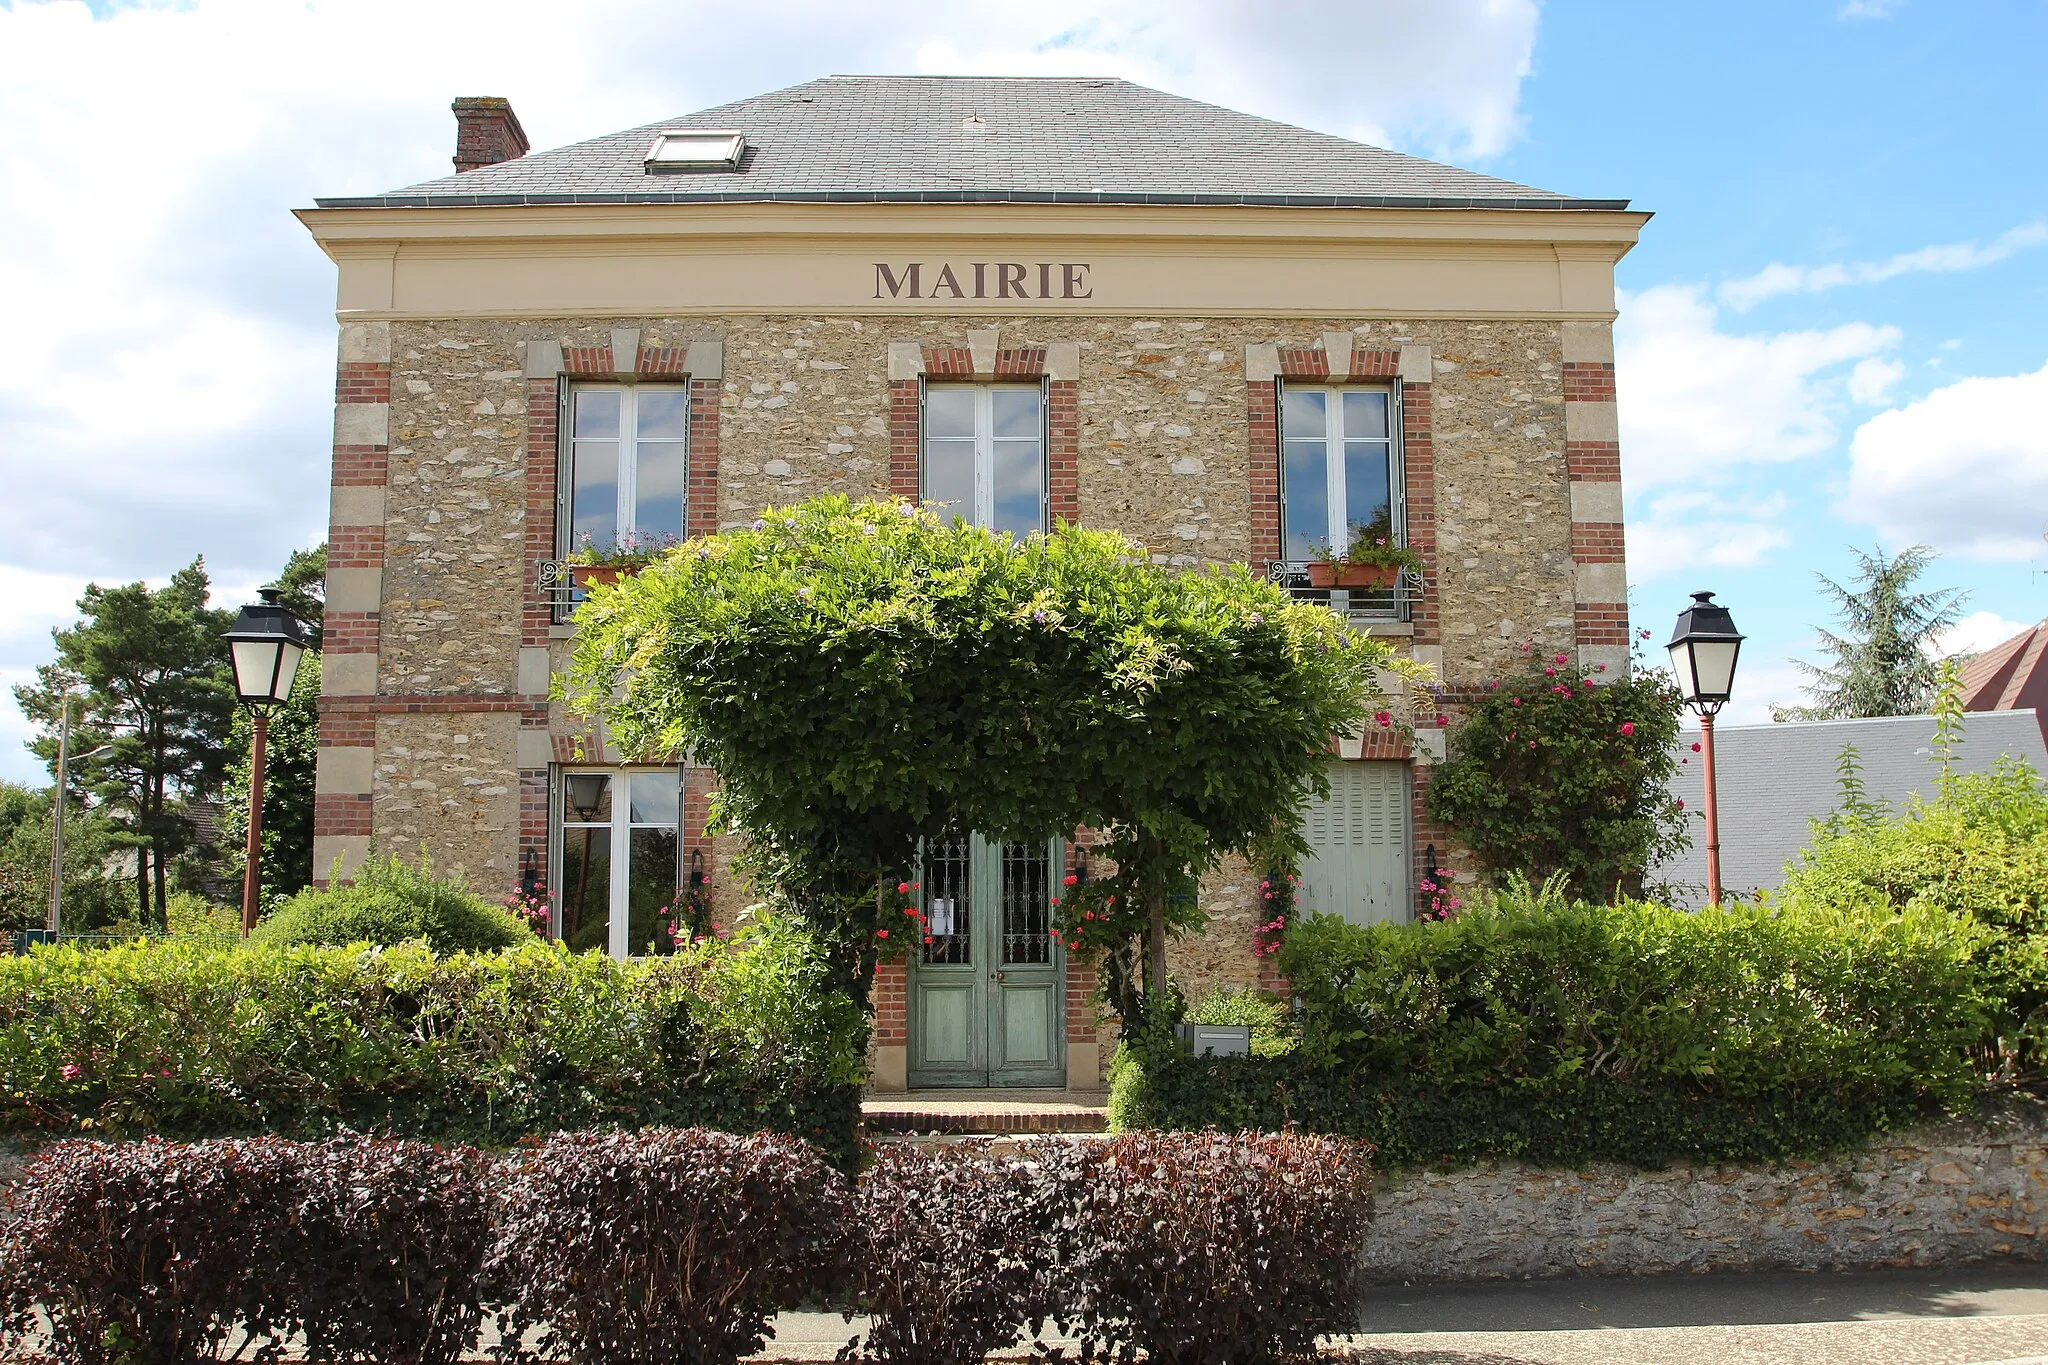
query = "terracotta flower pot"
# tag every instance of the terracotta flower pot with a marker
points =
(1337, 573)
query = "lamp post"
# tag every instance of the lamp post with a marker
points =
(1703, 648)
(265, 643)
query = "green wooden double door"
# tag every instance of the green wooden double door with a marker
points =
(988, 991)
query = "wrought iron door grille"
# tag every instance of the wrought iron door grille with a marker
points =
(948, 902)
(1027, 874)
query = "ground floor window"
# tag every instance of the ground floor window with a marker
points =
(619, 848)
(1358, 838)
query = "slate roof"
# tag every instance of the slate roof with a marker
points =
(906, 139)
(1774, 780)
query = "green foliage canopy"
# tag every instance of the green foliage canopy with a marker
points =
(864, 675)
(157, 691)
(1551, 773)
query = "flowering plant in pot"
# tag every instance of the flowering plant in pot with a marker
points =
(1372, 560)
(627, 553)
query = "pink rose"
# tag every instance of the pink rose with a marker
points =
(1628, 727)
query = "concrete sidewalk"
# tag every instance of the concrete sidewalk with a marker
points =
(1891, 1317)
(1888, 1317)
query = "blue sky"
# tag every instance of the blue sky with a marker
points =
(1830, 334)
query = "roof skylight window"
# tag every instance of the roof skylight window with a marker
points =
(696, 149)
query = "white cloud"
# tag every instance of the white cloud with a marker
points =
(1697, 401)
(166, 369)
(1444, 77)
(1871, 382)
(1692, 530)
(1776, 279)
(1767, 678)
(1869, 9)
(1975, 633)
(1964, 469)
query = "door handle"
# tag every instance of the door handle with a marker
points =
(995, 976)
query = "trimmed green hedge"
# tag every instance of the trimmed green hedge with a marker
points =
(1562, 1033)
(389, 900)
(192, 1042)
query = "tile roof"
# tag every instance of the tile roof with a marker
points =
(952, 139)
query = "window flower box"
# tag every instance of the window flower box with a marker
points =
(587, 574)
(1339, 573)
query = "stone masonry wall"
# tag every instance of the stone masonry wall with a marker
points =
(804, 409)
(1941, 1195)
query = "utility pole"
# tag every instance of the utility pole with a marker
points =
(55, 921)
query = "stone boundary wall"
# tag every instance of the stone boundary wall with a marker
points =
(1940, 1195)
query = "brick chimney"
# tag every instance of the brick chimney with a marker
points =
(486, 132)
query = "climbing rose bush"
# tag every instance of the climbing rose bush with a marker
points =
(1557, 769)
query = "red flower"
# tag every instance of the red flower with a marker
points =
(1585, 682)
(1628, 727)
(1549, 672)
(1532, 743)
(903, 888)
(1443, 720)
(1070, 880)
(927, 938)
(911, 911)
(1681, 803)
(1514, 701)
(1695, 748)
(1562, 657)
(1492, 685)
(1385, 718)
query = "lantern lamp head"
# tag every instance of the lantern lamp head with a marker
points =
(585, 794)
(1703, 648)
(265, 643)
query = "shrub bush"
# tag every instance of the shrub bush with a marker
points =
(152, 1252)
(192, 1041)
(955, 1249)
(392, 1237)
(1630, 1033)
(393, 901)
(1205, 1249)
(1551, 773)
(146, 1252)
(665, 1244)
(1981, 850)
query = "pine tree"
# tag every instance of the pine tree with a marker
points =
(155, 697)
(1882, 663)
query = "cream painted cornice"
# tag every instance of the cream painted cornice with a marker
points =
(646, 260)
(969, 222)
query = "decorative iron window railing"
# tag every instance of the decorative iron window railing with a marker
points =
(1359, 604)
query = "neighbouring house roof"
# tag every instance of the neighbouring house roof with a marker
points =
(941, 139)
(1775, 780)
(2012, 676)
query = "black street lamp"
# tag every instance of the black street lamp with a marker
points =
(265, 643)
(1704, 647)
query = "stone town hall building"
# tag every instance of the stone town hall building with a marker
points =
(1026, 299)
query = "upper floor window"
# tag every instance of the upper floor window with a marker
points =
(1340, 470)
(627, 460)
(984, 454)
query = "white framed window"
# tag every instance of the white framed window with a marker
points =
(1340, 469)
(984, 454)
(625, 466)
(618, 846)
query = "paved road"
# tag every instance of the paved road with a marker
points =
(1966, 1317)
